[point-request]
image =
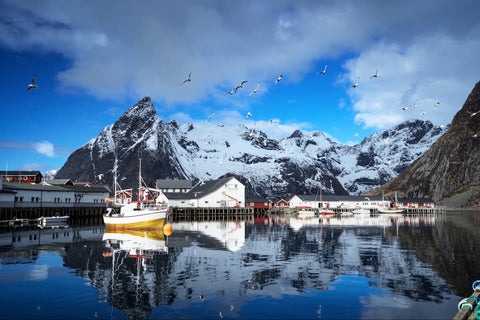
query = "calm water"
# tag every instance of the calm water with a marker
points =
(279, 268)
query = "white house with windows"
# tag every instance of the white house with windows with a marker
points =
(338, 202)
(224, 192)
(32, 195)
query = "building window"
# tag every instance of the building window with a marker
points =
(32, 199)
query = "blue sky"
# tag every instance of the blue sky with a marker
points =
(95, 59)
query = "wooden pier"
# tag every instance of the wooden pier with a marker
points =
(210, 214)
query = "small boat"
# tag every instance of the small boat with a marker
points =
(148, 212)
(361, 211)
(394, 210)
(327, 212)
(305, 213)
(53, 220)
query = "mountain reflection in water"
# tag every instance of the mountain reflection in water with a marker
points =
(384, 266)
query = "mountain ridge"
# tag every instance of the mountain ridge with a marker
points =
(450, 167)
(275, 168)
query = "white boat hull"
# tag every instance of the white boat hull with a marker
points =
(390, 211)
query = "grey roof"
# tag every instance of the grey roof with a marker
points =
(173, 184)
(19, 173)
(415, 200)
(257, 200)
(48, 187)
(59, 181)
(336, 197)
(200, 190)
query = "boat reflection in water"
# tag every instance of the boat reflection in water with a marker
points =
(134, 241)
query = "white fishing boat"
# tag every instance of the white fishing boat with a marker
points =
(393, 209)
(148, 212)
(53, 220)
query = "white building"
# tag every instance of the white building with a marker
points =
(42, 195)
(337, 202)
(224, 192)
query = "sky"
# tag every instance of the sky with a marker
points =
(93, 60)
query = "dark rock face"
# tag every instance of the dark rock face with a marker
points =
(452, 163)
(279, 168)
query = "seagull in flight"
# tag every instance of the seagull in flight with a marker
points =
(32, 85)
(255, 91)
(472, 114)
(272, 121)
(436, 105)
(241, 85)
(230, 93)
(415, 104)
(278, 79)
(423, 113)
(324, 71)
(249, 114)
(210, 117)
(188, 78)
(376, 75)
(356, 83)
(405, 108)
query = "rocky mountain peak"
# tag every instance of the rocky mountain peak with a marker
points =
(271, 167)
(450, 167)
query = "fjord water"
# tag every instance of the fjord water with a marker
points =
(376, 267)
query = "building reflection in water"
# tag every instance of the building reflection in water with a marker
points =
(225, 265)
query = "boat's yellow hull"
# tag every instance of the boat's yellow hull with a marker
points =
(149, 224)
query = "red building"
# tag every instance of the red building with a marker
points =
(281, 204)
(21, 176)
(258, 203)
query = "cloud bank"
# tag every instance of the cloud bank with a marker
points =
(425, 51)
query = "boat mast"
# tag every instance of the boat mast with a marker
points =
(115, 175)
(140, 172)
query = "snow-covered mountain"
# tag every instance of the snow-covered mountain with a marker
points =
(275, 168)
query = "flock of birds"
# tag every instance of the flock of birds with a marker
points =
(32, 85)
(323, 72)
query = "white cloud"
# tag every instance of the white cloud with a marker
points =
(423, 50)
(437, 68)
(45, 148)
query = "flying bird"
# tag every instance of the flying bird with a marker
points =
(356, 134)
(241, 85)
(376, 75)
(272, 121)
(188, 78)
(436, 105)
(356, 83)
(255, 91)
(422, 113)
(415, 104)
(405, 108)
(472, 114)
(265, 142)
(324, 71)
(32, 85)
(210, 117)
(249, 114)
(278, 79)
(284, 141)
(230, 93)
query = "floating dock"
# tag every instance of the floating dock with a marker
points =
(210, 214)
